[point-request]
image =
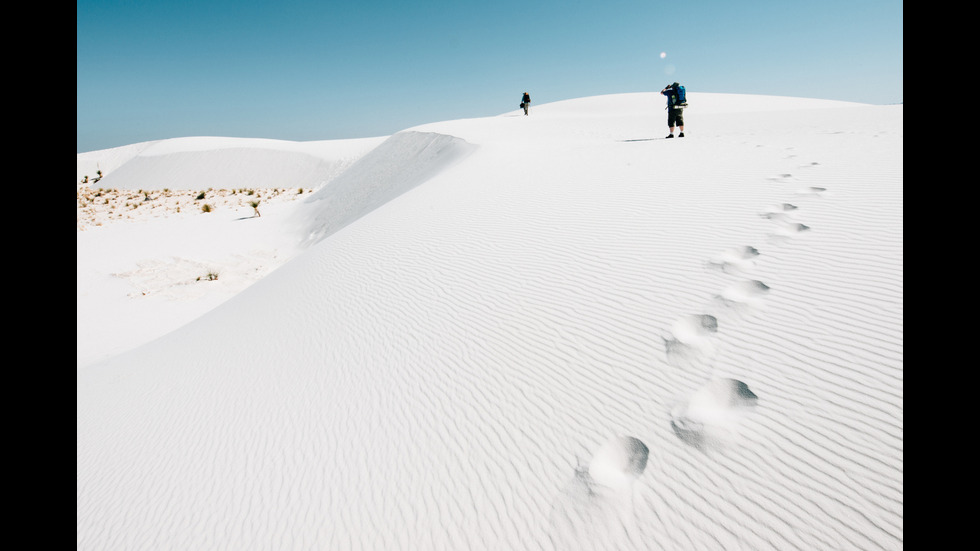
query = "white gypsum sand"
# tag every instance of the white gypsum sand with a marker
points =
(558, 331)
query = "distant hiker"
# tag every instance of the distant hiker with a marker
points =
(525, 103)
(676, 102)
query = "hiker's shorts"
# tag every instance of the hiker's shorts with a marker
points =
(675, 117)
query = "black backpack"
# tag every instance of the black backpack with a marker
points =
(679, 97)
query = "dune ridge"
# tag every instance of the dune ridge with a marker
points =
(200, 163)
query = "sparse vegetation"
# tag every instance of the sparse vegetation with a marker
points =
(98, 206)
(210, 276)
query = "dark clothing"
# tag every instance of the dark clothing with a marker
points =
(675, 113)
(526, 102)
(671, 94)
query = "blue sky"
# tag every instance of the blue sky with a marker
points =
(317, 70)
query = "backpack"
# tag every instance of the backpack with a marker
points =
(681, 96)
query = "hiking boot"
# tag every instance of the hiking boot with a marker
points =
(670, 136)
(681, 135)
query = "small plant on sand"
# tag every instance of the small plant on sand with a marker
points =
(206, 208)
(210, 276)
(255, 205)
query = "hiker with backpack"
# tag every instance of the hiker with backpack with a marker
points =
(676, 102)
(525, 103)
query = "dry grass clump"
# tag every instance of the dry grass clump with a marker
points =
(100, 206)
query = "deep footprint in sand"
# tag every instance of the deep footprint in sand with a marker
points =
(811, 191)
(595, 508)
(744, 294)
(787, 229)
(619, 461)
(782, 178)
(782, 211)
(709, 419)
(783, 217)
(734, 260)
(690, 339)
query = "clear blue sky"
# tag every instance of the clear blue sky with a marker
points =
(323, 69)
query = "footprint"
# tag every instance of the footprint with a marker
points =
(619, 461)
(694, 328)
(689, 339)
(782, 178)
(734, 260)
(745, 293)
(710, 418)
(595, 508)
(784, 218)
(786, 229)
(780, 211)
(811, 191)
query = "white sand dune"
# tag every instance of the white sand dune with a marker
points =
(199, 163)
(557, 331)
